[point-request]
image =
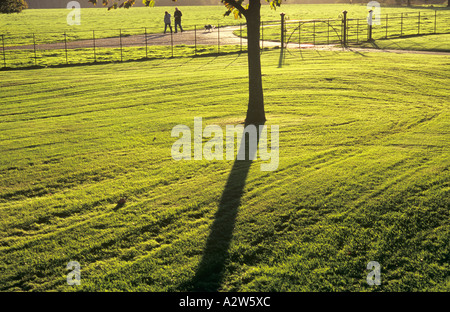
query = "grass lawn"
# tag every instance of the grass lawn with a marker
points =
(363, 176)
(49, 25)
(439, 43)
(45, 58)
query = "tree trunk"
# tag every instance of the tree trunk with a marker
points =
(255, 111)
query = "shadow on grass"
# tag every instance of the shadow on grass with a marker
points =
(209, 274)
(281, 59)
(392, 43)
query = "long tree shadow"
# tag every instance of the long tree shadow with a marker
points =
(210, 271)
(281, 59)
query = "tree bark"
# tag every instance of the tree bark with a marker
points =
(255, 111)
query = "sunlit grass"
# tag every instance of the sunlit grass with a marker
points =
(363, 174)
(50, 25)
(419, 43)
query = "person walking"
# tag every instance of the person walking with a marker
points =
(167, 22)
(177, 16)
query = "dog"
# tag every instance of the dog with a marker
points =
(209, 27)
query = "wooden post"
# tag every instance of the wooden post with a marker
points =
(357, 31)
(34, 47)
(65, 47)
(4, 52)
(262, 35)
(386, 26)
(369, 35)
(314, 32)
(171, 41)
(418, 25)
(401, 25)
(146, 43)
(328, 32)
(240, 31)
(282, 31)
(120, 40)
(95, 54)
(299, 34)
(344, 24)
(435, 20)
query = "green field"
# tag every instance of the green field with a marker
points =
(363, 176)
(48, 58)
(50, 26)
(439, 43)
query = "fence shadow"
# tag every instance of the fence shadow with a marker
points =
(210, 271)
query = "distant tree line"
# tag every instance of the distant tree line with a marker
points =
(61, 4)
(397, 2)
(12, 6)
(16, 6)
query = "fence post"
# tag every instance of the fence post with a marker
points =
(314, 32)
(171, 41)
(95, 54)
(120, 40)
(34, 47)
(65, 47)
(369, 35)
(435, 20)
(357, 31)
(386, 26)
(146, 43)
(4, 53)
(418, 25)
(344, 24)
(299, 34)
(401, 25)
(328, 32)
(262, 36)
(282, 31)
(240, 30)
(218, 38)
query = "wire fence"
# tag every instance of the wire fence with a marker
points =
(355, 31)
(80, 47)
(118, 45)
